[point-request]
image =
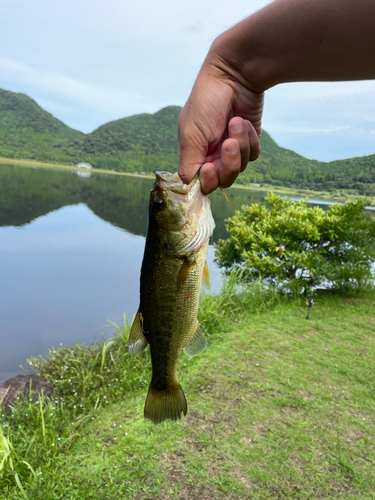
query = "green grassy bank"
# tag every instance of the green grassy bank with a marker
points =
(279, 407)
(40, 164)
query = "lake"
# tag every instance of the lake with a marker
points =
(71, 247)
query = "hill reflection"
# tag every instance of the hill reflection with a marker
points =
(28, 193)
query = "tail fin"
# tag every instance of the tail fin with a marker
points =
(161, 405)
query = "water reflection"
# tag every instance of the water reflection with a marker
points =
(63, 277)
(70, 255)
(85, 175)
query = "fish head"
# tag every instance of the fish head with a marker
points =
(180, 213)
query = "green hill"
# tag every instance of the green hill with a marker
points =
(28, 131)
(283, 167)
(147, 142)
(156, 134)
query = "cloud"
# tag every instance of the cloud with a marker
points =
(322, 90)
(100, 97)
(56, 107)
(89, 62)
(304, 130)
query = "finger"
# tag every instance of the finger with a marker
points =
(255, 147)
(230, 164)
(237, 129)
(208, 178)
(192, 152)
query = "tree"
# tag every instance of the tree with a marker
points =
(297, 247)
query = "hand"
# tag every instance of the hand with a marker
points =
(218, 129)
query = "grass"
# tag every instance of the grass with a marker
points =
(279, 407)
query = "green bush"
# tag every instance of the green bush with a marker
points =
(296, 247)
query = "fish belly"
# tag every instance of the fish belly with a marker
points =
(169, 310)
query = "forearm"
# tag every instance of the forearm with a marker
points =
(299, 40)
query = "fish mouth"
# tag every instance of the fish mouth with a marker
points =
(173, 183)
(177, 192)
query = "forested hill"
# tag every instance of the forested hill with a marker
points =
(147, 142)
(28, 131)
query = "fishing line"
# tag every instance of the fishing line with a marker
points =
(310, 303)
(240, 218)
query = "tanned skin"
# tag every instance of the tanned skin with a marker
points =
(287, 41)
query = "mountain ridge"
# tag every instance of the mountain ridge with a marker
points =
(148, 142)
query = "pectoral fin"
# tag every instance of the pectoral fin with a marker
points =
(196, 344)
(184, 272)
(137, 341)
(206, 277)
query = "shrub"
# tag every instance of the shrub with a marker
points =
(296, 247)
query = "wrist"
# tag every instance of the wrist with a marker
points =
(238, 55)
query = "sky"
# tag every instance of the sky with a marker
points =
(92, 61)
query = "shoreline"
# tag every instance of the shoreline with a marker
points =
(53, 166)
(92, 431)
(304, 193)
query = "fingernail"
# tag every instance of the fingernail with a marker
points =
(209, 174)
(232, 149)
(237, 126)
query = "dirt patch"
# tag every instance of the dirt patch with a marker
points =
(306, 395)
(179, 483)
(108, 442)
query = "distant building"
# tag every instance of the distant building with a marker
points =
(84, 165)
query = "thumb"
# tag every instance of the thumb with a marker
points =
(188, 166)
(192, 150)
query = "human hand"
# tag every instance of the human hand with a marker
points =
(218, 129)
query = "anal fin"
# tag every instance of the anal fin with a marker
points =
(137, 341)
(196, 344)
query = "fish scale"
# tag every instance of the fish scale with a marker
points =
(174, 262)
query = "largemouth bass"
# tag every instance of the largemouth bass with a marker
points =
(174, 265)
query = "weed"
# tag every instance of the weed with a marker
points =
(87, 376)
(280, 407)
(236, 300)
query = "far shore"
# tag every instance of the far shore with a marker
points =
(305, 193)
(60, 166)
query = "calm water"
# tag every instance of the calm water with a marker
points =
(71, 248)
(70, 255)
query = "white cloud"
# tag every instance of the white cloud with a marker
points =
(89, 94)
(303, 130)
(89, 62)
(310, 91)
(56, 107)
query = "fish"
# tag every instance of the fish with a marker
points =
(174, 267)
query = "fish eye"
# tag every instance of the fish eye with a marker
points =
(158, 204)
